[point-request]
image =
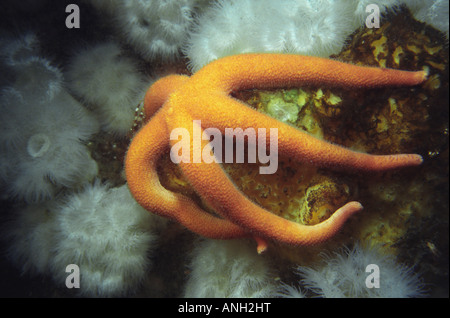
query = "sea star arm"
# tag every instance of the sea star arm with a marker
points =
(142, 156)
(159, 92)
(213, 83)
(150, 193)
(297, 144)
(253, 70)
(215, 187)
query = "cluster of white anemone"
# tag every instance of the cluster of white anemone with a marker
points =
(229, 269)
(360, 272)
(109, 83)
(43, 137)
(154, 28)
(43, 129)
(102, 230)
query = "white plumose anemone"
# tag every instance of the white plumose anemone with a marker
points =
(343, 274)
(109, 83)
(42, 146)
(109, 236)
(156, 28)
(228, 269)
(42, 130)
(290, 26)
(100, 229)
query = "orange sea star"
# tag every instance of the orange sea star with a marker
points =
(176, 101)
